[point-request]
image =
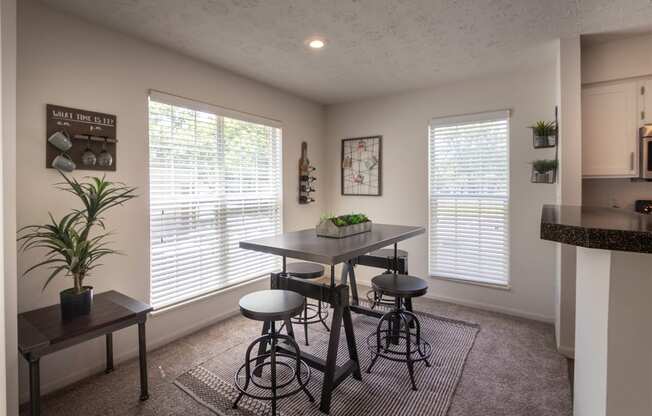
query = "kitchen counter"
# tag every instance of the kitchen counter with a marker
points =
(597, 227)
(613, 288)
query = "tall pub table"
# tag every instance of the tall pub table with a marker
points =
(306, 245)
(42, 332)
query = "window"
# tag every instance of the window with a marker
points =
(469, 198)
(214, 179)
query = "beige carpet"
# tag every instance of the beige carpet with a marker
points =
(512, 370)
(387, 390)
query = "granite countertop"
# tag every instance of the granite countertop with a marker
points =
(597, 227)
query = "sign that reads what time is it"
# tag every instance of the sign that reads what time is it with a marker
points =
(80, 124)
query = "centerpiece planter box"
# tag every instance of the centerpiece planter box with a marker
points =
(327, 228)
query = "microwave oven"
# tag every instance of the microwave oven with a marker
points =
(646, 151)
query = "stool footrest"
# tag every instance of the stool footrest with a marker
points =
(397, 342)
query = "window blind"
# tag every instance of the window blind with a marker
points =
(213, 181)
(469, 198)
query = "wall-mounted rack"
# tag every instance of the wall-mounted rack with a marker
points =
(306, 178)
(92, 135)
(545, 170)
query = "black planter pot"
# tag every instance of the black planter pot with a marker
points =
(76, 304)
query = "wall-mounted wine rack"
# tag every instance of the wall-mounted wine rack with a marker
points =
(306, 177)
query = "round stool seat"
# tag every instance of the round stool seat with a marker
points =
(389, 253)
(400, 285)
(271, 305)
(305, 270)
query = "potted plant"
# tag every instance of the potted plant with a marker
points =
(73, 250)
(343, 225)
(543, 170)
(544, 133)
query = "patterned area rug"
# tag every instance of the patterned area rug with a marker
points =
(386, 391)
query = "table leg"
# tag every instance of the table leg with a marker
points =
(354, 285)
(142, 353)
(350, 342)
(34, 387)
(349, 272)
(331, 359)
(109, 353)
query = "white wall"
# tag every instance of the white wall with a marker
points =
(63, 60)
(570, 177)
(403, 121)
(8, 353)
(630, 57)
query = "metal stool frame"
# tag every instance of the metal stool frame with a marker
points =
(272, 338)
(399, 321)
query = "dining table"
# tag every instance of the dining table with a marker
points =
(342, 295)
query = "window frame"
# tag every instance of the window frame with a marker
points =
(219, 111)
(453, 120)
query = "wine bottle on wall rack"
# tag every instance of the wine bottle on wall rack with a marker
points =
(305, 179)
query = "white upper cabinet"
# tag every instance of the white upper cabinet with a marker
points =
(645, 101)
(610, 121)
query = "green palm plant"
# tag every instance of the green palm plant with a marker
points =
(71, 249)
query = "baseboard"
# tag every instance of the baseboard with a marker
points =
(131, 353)
(568, 352)
(496, 308)
(484, 306)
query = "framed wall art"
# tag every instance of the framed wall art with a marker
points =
(362, 166)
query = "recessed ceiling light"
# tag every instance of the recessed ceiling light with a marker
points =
(316, 43)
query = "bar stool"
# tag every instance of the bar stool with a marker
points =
(270, 306)
(306, 270)
(386, 256)
(397, 342)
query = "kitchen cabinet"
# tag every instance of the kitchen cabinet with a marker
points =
(610, 121)
(645, 101)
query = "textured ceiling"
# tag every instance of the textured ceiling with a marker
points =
(374, 47)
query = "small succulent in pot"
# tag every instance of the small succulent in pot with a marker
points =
(544, 165)
(72, 249)
(544, 170)
(544, 133)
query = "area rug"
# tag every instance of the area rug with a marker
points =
(386, 391)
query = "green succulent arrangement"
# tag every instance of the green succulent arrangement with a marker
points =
(544, 165)
(343, 220)
(71, 247)
(544, 128)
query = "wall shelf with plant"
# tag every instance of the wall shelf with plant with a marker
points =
(544, 171)
(545, 134)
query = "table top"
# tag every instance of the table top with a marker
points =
(43, 328)
(597, 227)
(306, 245)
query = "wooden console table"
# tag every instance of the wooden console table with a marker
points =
(42, 331)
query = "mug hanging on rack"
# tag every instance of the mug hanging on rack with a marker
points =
(60, 140)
